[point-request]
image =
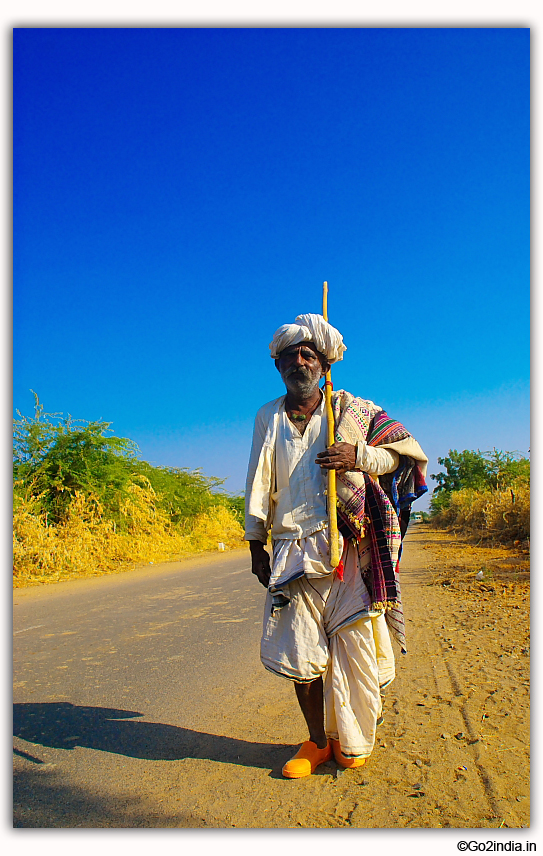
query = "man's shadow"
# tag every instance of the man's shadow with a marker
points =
(64, 726)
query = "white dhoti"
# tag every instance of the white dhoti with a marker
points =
(328, 629)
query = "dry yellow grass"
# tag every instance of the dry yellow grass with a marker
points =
(495, 515)
(86, 544)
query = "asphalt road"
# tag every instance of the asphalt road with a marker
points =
(140, 638)
(140, 664)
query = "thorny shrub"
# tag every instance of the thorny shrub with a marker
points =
(84, 503)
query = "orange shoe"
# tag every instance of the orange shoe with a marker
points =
(307, 759)
(343, 760)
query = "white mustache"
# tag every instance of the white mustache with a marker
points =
(306, 372)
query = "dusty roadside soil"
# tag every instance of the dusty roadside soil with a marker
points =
(453, 750)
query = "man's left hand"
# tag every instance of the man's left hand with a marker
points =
(340, 457)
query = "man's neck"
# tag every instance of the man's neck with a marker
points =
(300, 404)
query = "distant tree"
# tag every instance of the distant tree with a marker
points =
(464, 469)
(182, 493)
(479, 471)
(507, 468)
(55, 456)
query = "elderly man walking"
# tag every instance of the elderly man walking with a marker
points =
(327, 629)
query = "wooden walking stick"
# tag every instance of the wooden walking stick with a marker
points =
(332, 490)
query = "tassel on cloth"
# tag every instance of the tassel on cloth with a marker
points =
(339, 570)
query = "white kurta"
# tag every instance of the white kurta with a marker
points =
(299, 498)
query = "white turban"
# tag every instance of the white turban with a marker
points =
(309, 328)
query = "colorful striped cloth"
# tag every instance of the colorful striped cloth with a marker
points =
(375, 507)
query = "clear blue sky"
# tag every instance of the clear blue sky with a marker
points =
(180, 193)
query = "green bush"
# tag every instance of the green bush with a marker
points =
(475, 470)
(55, 457)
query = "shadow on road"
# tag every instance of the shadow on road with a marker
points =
(43, 796)
(45, 800)
(64, 726)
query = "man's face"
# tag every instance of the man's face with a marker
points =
(301, 367)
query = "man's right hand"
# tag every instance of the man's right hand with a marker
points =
(260, 561)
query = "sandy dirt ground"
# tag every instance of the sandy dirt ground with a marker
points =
(453, 750)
